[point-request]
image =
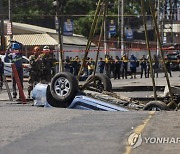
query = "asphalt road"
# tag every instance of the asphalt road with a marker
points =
(26, 129)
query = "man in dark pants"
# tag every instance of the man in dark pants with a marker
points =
(117, 68)
(168, 65)
(101, 64)
(124, 66)
(133, 65)
(47, 65)
(1, 73)
(35, 69)
(16, 58)
(143, 63)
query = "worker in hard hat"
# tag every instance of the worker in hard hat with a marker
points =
(15, 55)
(35, 70)
(47, 64)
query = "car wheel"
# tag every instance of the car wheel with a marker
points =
(52, 101)
(64, 87)
(101, 82)
(155, 106)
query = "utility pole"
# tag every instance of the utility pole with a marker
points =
(2, 27)
(105, 28)
(158, 22)
(59, 28)
(119, 4)
(122, 27)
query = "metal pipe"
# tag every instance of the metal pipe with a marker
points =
(122, 27)
(93, 27)
(10, 19)
(100, 38)
(148, 47)
(172, 103)
(119, 23)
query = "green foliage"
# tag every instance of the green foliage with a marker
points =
(76, 9)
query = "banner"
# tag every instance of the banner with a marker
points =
(68, 28)
(112, 28)
(129, 33)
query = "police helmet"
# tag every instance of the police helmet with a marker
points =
(15, 46)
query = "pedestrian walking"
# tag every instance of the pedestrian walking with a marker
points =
(1, 73)
(143, 63)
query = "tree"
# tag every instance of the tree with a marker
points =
(42, 12)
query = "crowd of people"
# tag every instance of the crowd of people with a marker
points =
(41, 69)
(117, 67)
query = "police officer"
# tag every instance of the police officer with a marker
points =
(35, 69)
(117, 67)
(16, 58)
(143, 63)
(124, 66)
(107, 65)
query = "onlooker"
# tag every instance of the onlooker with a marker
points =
(107, 65)
(101, 65)
(91, 66)
(148, 67)
(47, 65)
(124, 66)
(35, 69)
(133, 65)
(168, 66)
(1, 73)
(155, 65)
(143, 63)
(67, 64)
(111, 65)
(75, 65)
(117, 68)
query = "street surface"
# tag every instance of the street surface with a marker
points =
(26, 129)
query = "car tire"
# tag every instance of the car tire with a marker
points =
(52, 101)
(101, 82)
(64, 87)
(155, 106)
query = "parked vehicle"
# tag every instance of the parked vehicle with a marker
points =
(8, 69)
(173, 57)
